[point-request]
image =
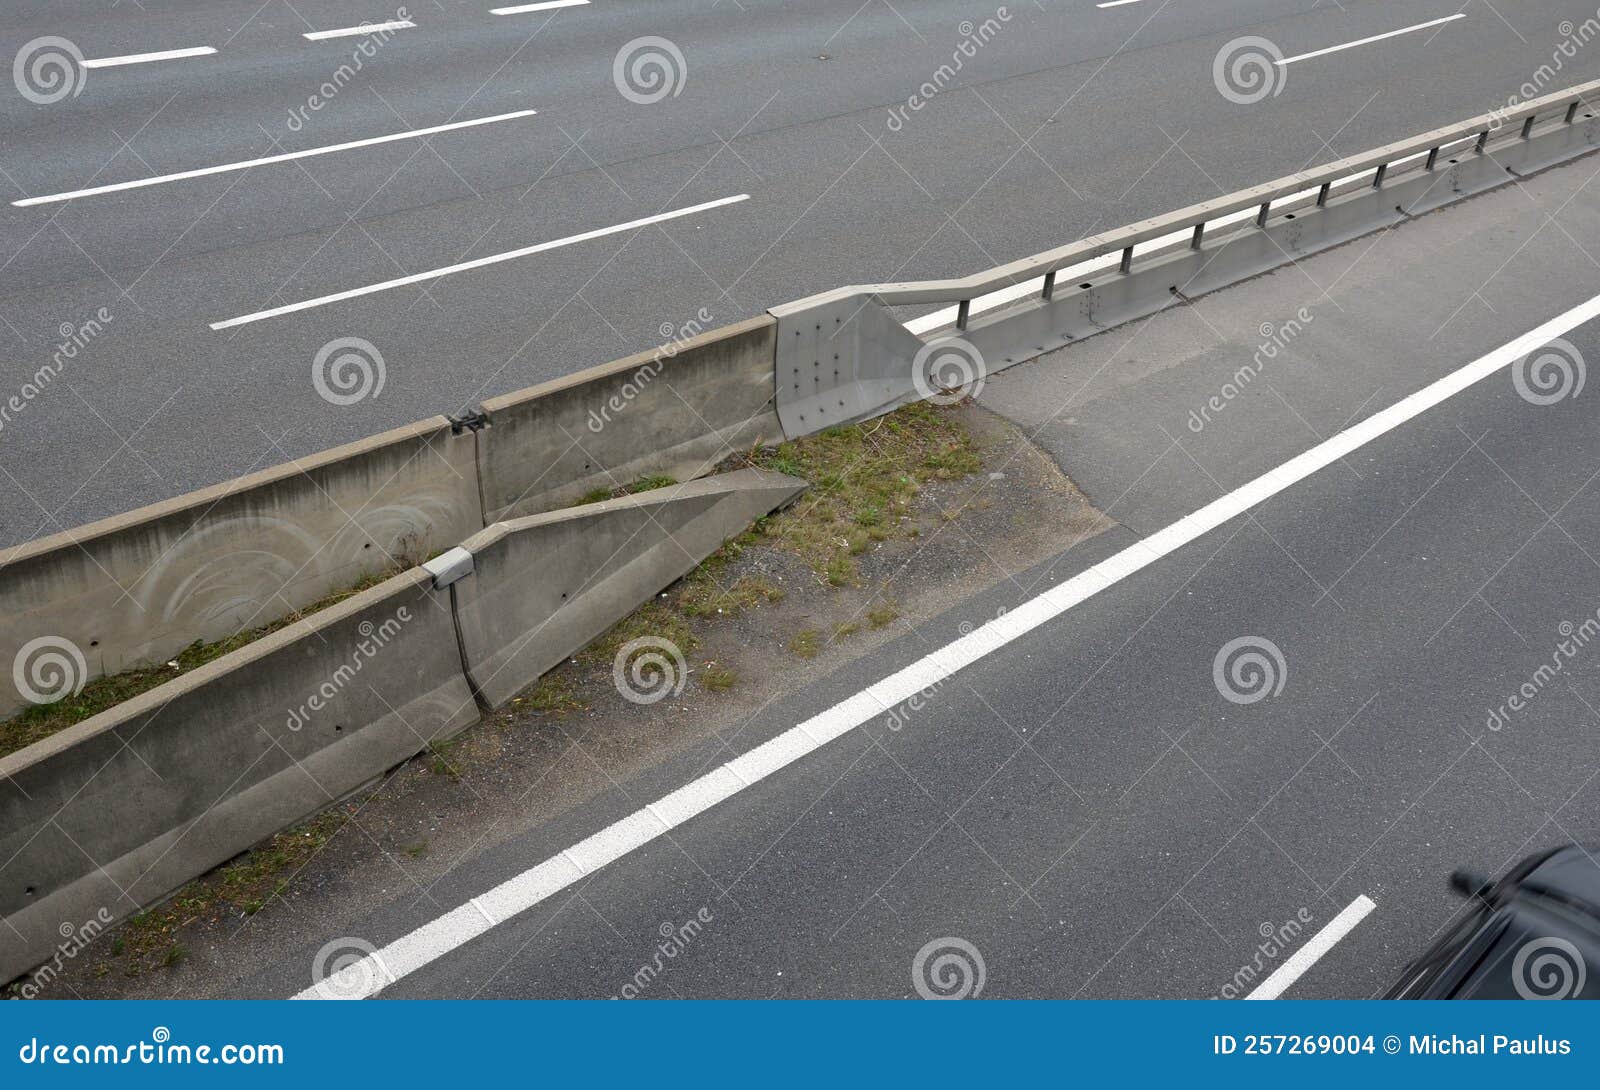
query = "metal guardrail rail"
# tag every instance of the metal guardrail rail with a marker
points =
(842, 356)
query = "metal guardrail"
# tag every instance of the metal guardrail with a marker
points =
(844, 355)
(1479, 131)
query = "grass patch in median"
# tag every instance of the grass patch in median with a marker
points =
(864, 480)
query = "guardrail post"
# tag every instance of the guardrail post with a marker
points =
(1322, 194)
(1483, 140)
(1377, 177)
(1199, 235)
(1572, 110)
(1049, 283)
(1261, 216)
(1127, 260)
(1433, 158)
(1527, 126)
(961, 313)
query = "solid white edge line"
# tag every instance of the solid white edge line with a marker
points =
(364, 28)
(532, 886)
(146, 58)
(1374, 38)
(1117, 3)
(245, 164)
(545, 5)
(477, 263)
(1309, 954)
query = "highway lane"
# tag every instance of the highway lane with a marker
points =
(1089, 808)
(1097, 804)
(160, 402)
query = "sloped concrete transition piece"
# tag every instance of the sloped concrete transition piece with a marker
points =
(113, 814)
(546, 584)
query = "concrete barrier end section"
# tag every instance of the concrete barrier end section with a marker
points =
(545, 585)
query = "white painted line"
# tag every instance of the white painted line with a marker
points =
(246, 164)
(546, 5)
(1374, 38)
(476, 263)
(523, 891)
(1117, 3)
(146, 58)
(1309, 954)
(364, 28)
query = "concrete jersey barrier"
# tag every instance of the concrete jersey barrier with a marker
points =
(139, 587)
(114, 813)
(675, 411)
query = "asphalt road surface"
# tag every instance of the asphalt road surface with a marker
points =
(1282, 732)
(857, 159)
